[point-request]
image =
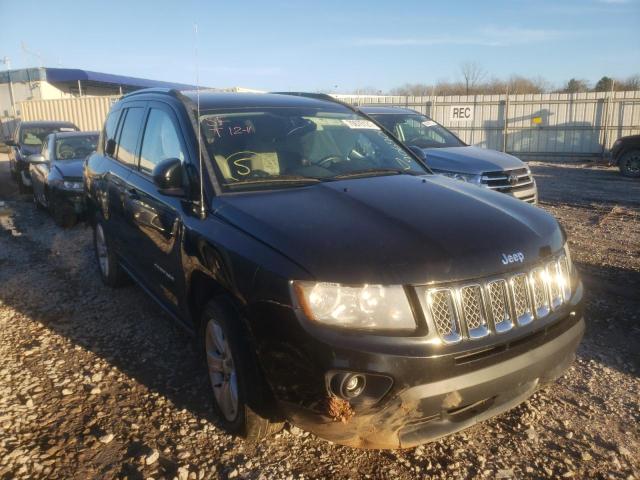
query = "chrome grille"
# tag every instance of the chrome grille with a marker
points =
(553, 282)
(539, 284)
(443, 314)
(499, 304)
(507, 180)
(521, 299)
(473, 311)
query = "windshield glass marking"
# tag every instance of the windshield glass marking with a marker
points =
(259, 147)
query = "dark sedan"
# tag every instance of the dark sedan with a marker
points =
(56, 174)
(27, 140)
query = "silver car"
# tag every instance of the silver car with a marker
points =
(447, 155)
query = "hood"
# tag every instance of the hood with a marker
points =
(470, 159)
(396, 229)
(70, 168)
(26, 150)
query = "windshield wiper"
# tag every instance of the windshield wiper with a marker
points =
(282, 180)
(372, 172)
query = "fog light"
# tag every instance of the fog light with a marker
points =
(352, 385)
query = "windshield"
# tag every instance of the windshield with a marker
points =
(36, 135)
(69, 148)
(414, 129)
(285, 146)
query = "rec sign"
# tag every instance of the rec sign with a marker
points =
(461, 113)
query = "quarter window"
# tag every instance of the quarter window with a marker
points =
(110, 128)
(129, 137)
(160, 141)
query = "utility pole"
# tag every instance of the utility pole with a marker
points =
(7, 62)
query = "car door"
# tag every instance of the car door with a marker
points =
(120, 166)
(157, 217)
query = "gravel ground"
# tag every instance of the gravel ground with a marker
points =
(98, 383)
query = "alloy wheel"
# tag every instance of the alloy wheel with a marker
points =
(222, 371)
(101, 251)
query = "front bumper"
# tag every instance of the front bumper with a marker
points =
(425, 412)
(73, 199)
(528, 193)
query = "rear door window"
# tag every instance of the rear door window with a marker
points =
(129, 134)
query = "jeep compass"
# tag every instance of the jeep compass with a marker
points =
(332, 280)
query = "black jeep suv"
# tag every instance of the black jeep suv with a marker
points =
(332, 280)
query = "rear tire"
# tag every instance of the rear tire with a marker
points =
(111, 272)
(629, 164)
(234, 374)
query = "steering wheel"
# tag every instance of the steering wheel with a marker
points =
(82, 152)
(329, 160)
(66, 152)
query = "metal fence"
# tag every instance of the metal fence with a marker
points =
(533, 126)
(540, 126)
(88, 113)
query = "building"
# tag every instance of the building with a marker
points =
(55, 83)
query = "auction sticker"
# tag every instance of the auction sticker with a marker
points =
(429, 123)
(361, 124)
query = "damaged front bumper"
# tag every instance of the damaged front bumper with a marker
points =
(422, 413)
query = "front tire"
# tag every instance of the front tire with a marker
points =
(110, 270)
(629, 164)
(236, 381)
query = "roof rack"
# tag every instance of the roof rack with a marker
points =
(168, 91)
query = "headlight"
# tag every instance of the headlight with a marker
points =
(361, 307)
(464, 177)
(72, 185)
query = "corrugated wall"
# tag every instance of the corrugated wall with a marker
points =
(537, 125)
(88, 113)
(550, 125)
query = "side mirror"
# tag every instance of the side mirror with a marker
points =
(418, 152)
(110, 147)
(10, 142)
(36, 158)
(168, 176)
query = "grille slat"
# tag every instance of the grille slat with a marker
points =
(443, 314)
(498, 305)
(498, 296)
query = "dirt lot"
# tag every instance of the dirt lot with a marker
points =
(97, 383)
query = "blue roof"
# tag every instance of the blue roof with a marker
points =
(58, 75)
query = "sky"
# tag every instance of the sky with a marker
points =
(328, 45)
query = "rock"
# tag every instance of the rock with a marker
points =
(532, 435)
(183, 473)
(183, 455)
(66, 391)
(95, 391)
(233, 473)
(152, 457)
(106, 438)
(504, 473)
(569, 474)
(586, 456)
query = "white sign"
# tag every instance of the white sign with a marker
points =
(361, 124)
(461, 113)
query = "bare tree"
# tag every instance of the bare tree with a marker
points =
(472, 74)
